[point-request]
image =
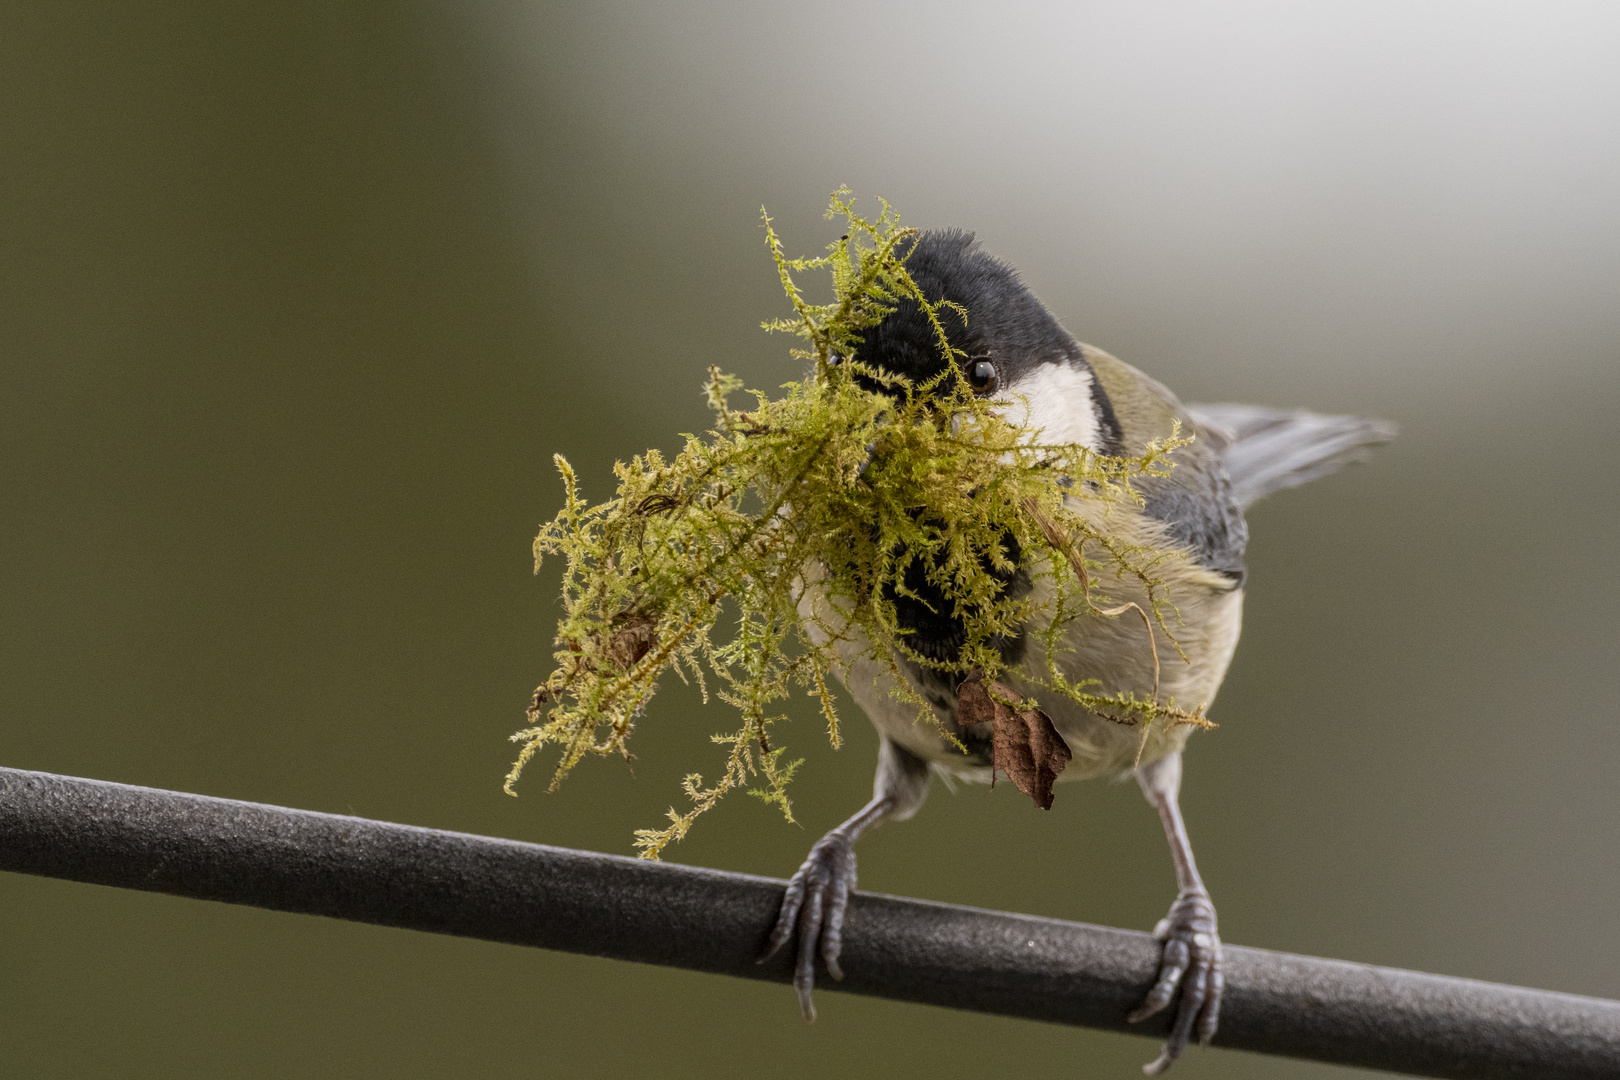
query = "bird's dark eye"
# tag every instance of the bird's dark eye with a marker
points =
(982, 376)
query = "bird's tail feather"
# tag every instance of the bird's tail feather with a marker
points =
(1267, 450)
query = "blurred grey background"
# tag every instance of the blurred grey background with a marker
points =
(297, 300)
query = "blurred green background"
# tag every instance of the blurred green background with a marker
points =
(297, 300)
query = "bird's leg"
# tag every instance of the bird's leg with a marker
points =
(818, 894)
(1192, 948)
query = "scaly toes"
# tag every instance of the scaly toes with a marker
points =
(1211, 1015)
(804, 971)
(832, 931)
(786, 918)
(814, 906)
(1191, 964)
(1172, 967)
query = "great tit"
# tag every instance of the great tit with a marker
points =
(1011, 349)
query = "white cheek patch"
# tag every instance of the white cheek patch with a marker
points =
(1056, 398)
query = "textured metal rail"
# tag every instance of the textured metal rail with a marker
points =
(706, 920)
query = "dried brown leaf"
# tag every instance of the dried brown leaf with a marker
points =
(632, 640)
(1024, 744)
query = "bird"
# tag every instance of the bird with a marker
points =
(1013, 351)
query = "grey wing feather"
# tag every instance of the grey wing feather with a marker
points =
(1267, 450)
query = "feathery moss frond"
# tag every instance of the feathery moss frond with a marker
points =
(853, 488)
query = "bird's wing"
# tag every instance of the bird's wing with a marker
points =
(1192, 500)
(1267, 450)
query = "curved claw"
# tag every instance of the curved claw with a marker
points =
(815, 902)
(1191, 964)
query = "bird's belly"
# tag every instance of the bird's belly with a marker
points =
(1117, 653)
(1114, 650)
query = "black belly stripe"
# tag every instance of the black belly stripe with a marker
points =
(933, 630)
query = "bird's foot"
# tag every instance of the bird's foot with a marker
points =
(1191, 964)
(816, 899)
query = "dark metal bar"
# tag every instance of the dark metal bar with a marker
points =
(705, 920)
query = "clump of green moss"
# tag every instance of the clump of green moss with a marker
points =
(699, 562)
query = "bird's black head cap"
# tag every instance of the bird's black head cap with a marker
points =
(1005, 323)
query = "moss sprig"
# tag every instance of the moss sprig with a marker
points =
(701, 563)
